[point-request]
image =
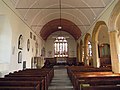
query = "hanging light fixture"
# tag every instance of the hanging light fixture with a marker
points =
(60, 27)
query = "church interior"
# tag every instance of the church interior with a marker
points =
(59, 45)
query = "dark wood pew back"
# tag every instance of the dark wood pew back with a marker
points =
(18, 88)
(106, 87)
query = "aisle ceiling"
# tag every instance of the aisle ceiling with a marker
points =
(76, 14)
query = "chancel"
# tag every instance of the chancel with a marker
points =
(59, 44)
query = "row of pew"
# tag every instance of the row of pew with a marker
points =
(90, 78)
(28, 79)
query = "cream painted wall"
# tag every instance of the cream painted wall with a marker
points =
(49, 45)
(17, 27)
(103, 36)
(104, 16)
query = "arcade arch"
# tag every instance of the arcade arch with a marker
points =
(100, 36)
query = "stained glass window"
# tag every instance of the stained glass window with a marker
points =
(61, 47)
(89, 49)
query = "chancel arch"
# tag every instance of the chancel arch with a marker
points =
(71, 46)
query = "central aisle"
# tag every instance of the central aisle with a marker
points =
(60, 80)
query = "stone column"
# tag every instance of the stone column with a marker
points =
(86, 54)
(114, 48)
(81, 50)
(96, 61)
(78, 53)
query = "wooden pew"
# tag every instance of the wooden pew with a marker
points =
(89, 76)
(46, 73)
(49, 73)
(28, 79)
(106, 87)
(43, 76)
(32, 84)
(49, 70)
(19, 85)
(72, 73)
(18, 88)
(72, 69)
(98, 82)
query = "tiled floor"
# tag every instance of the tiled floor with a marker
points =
(60, 80)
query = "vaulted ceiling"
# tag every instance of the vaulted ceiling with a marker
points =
(75, 16)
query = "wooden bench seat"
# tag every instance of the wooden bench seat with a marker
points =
(43, 76)
(85, 75)
(19, 83)
(48, 73)
(18, 88)
(38, 79)
(31, 75)
(95, 77)
(97, 82)
(104, 87)
(73, 69)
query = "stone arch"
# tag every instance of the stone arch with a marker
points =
(95, 33)
(113, 17)
(95, 30)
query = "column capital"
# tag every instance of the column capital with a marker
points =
(95, 42)
(114, 31)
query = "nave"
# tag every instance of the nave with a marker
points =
(38, 34)
(60, 80)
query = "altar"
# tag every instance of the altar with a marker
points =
(61, 60)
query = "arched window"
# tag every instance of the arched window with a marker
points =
(61, 47)
(89, 49)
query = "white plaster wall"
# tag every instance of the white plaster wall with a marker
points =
(72, 47)
(5, 40)
(103, 36)
(17, 27)
(49, 44)
(5, 44)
